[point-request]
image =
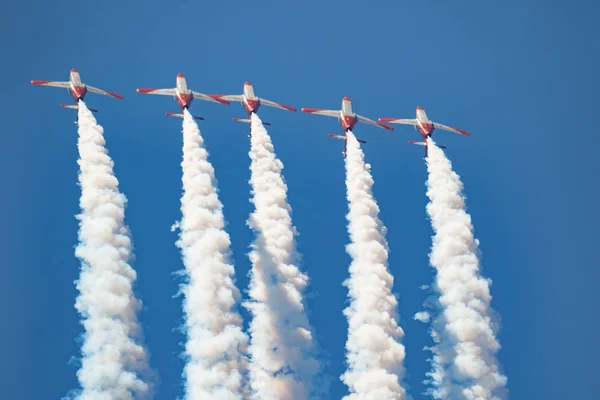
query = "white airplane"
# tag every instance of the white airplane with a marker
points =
(347, 118)
(251, 103)
(424, 126)
(183, 95)
(77, 89)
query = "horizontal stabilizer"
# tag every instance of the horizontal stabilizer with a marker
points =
(337, 136)
(333, 135)
(181, 116)
(247, 121)
(75, 107)
(242, 120)
(417, 143)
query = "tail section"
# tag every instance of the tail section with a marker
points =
(333, 135)
(247, 121)
(424, 145)
(181, 116)
(75, 107)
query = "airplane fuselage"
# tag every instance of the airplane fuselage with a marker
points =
(250, 102)
(76, 88)
(424, 125)
(182, 94)
(347, 118)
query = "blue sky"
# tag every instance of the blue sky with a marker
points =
(521, 77)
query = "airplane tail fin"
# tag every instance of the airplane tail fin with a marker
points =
(247, 121)
(75, 107)
(181, 116)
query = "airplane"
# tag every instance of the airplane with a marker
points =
(424, 126)
(251, 103)
(77, 89)
(183, 95)
(347, 118)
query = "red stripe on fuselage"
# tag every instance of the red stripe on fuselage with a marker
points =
(251, 105)
(184, 99)
(425, 128)
(348, 122)
(78, 92)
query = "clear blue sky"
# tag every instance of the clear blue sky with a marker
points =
(521, 76)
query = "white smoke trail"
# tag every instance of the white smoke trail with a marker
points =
(283, 365)
(374, 353)
(216, 342)
(114, 363)
(464, 361)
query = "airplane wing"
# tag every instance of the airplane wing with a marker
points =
(164, 92)
(370, 121)
(329, 113)
(450, 129)
(215, 98)
(231, 97)
(104, 92)
(399, 121)
(51, 83)
(276, 105)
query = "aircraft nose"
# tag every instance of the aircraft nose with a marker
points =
(346, 98)
(74, 70)
(180, 75)
(419, 108)
(247, 84)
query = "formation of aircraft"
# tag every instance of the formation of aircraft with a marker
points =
(77, 89)
(251, 103)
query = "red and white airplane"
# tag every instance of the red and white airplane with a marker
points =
(77, 89)
(347, 118)
(183, 95)
(251, 103)
(424, 126)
